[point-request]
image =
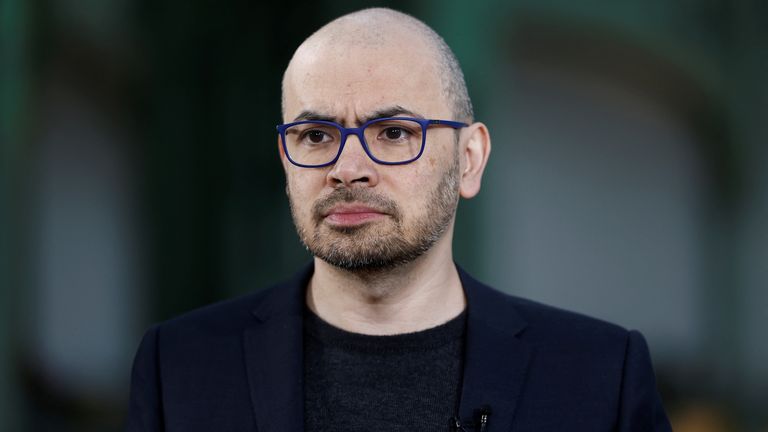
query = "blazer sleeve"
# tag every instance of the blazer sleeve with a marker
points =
(145, 406)
(640, 407)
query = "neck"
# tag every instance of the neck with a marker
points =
(421, 294)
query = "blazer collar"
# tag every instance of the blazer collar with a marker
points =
(495, 360)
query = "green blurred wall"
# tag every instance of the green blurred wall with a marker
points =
(14, 88)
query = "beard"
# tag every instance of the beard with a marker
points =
(369, 247)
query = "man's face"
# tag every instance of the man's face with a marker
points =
(357, 214)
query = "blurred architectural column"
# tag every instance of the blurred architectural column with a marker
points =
(86, 249)
(85, 229)
(748, 67)
(598, 201)
(14, 73)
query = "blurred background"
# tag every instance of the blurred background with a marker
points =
(139, 179)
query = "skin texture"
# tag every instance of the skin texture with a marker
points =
(381, 234)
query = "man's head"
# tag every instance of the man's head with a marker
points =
(357, 214)
(378, 26)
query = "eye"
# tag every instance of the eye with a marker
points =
(395, 133)
(316, 136)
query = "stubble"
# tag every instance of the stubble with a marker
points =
(383, 245)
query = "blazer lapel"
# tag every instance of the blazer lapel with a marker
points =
(274, 357)
(496, 360)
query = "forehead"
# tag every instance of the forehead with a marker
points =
(348, 80)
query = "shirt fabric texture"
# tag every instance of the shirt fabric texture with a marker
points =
(405, 382)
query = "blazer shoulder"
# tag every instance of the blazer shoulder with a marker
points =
(557, 319)
(543, 323)
(495, 303)
(224, 316)
(566, 340)
(226, 319)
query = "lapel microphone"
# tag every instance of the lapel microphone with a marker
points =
(479, 423)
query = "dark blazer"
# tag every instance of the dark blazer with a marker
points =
(237, 366)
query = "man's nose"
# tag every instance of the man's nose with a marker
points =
(353, 167)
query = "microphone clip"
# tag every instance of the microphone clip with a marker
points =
(479, 422)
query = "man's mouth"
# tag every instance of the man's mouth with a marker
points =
(350, 214)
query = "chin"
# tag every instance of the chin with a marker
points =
(370, 254)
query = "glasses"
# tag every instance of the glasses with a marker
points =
(387, 141)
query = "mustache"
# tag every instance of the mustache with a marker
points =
(358, 195)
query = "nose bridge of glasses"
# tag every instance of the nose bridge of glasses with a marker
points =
(357, 132)
(353, 163)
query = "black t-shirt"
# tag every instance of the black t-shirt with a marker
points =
(405, 382)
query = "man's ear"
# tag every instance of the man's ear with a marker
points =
(474, 149)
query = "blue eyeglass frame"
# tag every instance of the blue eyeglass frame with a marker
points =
(358, 131)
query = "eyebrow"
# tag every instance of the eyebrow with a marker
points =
(392, 111)
(313, 115)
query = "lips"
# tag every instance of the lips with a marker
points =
(352, 214)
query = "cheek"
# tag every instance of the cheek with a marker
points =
(411, 188)
(300, 190)
(305, 178)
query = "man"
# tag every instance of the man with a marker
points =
(383, 331)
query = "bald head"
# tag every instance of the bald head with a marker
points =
(378, 27)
